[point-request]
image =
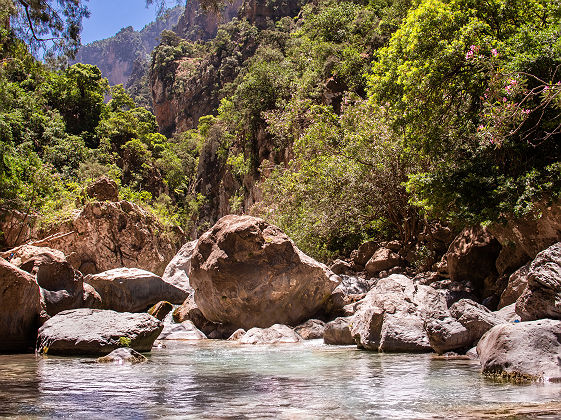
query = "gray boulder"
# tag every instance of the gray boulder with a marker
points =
(338, 332)
(275, 334)
(542, 296)
(347, 293)
(20, 309)
(132, 289)
(310, 329)
(392, 316)
(184, 331)
(177, 271)
(97, 332)
(522, 351)
(123, 355)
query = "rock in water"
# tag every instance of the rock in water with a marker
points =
(542, 296)
(20, 309)
(522, 351)
(132, 289)
(184, 331)
(275, 334)
(338, 332)
(122, 356)
(248, 273)
(392, 316)
(97, 332)
(177, 271)
(311, 329)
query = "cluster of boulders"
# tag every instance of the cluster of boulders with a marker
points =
(245, 281)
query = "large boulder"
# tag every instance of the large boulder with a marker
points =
(20, 309)
(517, 283)
(542, 296)
(106, 235)
(132, 289)
(177, 271)
(62, 287)
(275, 334)
(471, 257)
(97, 332)
(248, 273)
(522, 351)
(364, 252)
(338, 332)
(392, 316)
(462, 327)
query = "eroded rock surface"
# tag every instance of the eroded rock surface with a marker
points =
(107, 235)
(248, 273)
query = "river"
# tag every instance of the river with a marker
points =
(218, 379)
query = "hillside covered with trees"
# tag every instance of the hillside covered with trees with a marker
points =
(339, 121)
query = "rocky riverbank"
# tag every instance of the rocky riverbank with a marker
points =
(244, 280)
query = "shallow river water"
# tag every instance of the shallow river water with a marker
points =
(217, 379)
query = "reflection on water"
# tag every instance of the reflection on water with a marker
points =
(225, 380)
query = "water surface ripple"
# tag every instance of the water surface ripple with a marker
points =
(217, 379)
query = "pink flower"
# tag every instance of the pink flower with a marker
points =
(504, 99)
(494, 52)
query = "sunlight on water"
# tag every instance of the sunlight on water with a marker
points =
(221, 379)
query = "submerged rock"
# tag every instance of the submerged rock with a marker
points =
(276, 334)
(248, 273)
(97, 332)
(392, 316)
(522, 351)
(184, 331)
(338, 332)
(310, 329)
(123, 355)
(132, 289)
(20, 309)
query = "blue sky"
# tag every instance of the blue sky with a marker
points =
(109, 16)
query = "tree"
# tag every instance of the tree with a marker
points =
(49, 26)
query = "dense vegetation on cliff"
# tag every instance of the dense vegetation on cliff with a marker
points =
(352, 120)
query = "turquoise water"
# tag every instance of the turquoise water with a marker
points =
(217, 379)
